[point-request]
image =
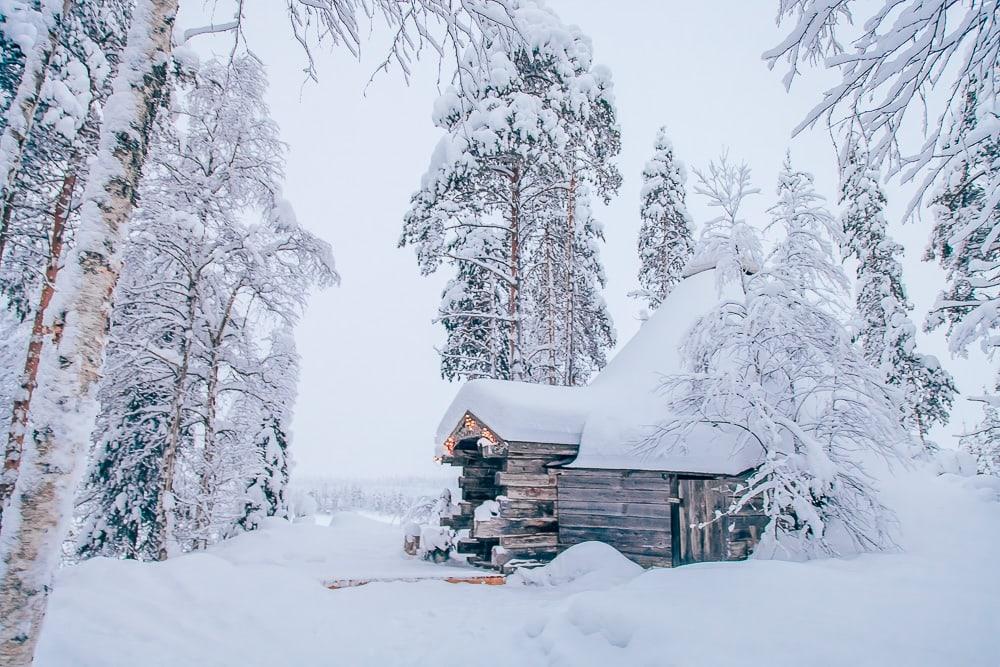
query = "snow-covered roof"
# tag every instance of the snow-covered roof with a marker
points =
(520, 411)
(611, 417)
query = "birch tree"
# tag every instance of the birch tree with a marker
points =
(63, 410)
(54, 166)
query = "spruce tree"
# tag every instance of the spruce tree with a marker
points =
(983, 441)
(119, 510)
(886, 333)
(528, 139)
(666, 240)
(966, 236)
(265, 493)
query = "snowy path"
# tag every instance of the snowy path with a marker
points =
(257, 600)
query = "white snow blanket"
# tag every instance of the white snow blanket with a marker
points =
(612, 417)
(258, 601)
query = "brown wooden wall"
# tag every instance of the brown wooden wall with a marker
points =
(630, 510)
(655, 518)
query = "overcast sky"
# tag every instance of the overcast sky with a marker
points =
(370, 393)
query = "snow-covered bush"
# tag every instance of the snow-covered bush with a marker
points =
(394, 498)
(774, 366)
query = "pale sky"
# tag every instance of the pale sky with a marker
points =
(370, 393)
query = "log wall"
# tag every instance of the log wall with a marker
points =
(661, 519)
(655, 518)
(633, 511)
(523, 482)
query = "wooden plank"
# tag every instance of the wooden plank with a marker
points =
(483, 580)
(540, 449)
(501, 526)
(524, 479)
(603, 521)
(526, 465)
(615, 480)
(519, 542)
(477, 483)
(646, 560)
(616, 495)
(623, 539)
(614, 509)
(488, 474)
(526, 509)
(531, 493)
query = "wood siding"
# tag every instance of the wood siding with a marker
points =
(659, 519)
(631, 510)
(655, 518)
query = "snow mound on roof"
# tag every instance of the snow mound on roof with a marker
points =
(594, 564)
(612, 417)
(520, 411)
(628, 403)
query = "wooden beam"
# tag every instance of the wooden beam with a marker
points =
(531, 493)
(524, 479)
(500, 526)
(519, 542)
(613, 509)
(603, 521)
(615, 495)
(526, 509)
(540, 449)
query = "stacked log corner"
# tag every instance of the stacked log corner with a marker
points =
(525, 530)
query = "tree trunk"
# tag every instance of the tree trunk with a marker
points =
(29, 377)
(513, 311)
(207, 481)
(21, 117)
(164, 496)
(570, 324)
(65, 405)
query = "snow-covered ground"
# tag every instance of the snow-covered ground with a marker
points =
(258, 600)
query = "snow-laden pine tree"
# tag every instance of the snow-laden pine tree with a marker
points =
(523, 136)
(264, 492)
(886, 333)
(590, 329)
(983, 441)
(473, 309)
(666, 237)
(773, 366)
(966, 238)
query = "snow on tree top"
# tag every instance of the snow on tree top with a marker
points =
(611, 417)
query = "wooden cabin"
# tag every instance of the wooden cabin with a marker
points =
(546, 467)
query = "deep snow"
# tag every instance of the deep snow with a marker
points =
(258, 600)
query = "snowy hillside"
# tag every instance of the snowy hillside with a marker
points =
(258, 600)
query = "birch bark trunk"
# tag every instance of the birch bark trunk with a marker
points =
(21, 116)
(64, 406)
(29, 376)
(164, 498)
